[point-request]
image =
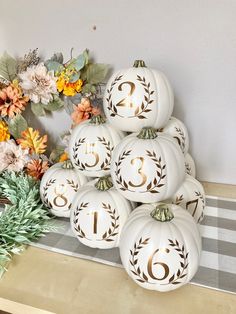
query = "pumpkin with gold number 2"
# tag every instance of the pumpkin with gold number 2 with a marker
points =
(138, 97)
(147, 166)
(58, 187)
(160, 246)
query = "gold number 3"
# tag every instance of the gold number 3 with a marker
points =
(140, 171)
(126, 102)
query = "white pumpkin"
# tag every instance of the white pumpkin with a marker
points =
(58, 187)
(160, 246)
(191, 196)
(138, 97)
(190, 167)
(147, 166)
(91, 146)
(179, 132)
(99, 213)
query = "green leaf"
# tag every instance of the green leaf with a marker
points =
(8, 67)
(96, 73)
(56, 153)
(88, 88)
(86, 56)
(54, 105)
(38, 109)
(17, 125)
(74, 77)
(54, 66)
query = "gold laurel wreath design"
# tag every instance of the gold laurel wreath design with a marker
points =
(75, 186)
(46, 201)
(143, 108)
(75, 153)
(181, 140)
(142, 277)
(107, 144)
(111, 232)
(187, 168)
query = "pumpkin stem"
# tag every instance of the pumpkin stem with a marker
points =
(97, 120)
(139, 64)
(147, 133)
(104, 183)
(67, 164)
(162, 213)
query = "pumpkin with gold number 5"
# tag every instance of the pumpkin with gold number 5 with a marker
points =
(147, 166)
(99, 213)
(160, 246)
(91, 146)
(138, 97)
(58, 187)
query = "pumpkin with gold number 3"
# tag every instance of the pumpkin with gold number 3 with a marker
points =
(160, 246)
(138, 97)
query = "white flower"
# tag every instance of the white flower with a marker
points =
(38, 84)
(12, 156)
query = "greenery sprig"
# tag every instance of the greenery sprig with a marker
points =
(25, 219)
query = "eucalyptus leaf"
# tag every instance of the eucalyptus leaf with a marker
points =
(70, 101)
(86, 56)
(38, 109)
(17, 125)
(54, 105)
(8, 67)
(77, 63)
(88, 88)
(74, 77)
(54, 66)
(96, 73)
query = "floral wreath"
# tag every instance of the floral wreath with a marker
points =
(43, 86)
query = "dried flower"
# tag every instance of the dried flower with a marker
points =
(65, 86)
(12, 101)
(31, 140)
(12, 156)
(83, 111)
(39, 84)
(4, 132)
(36, 168)
(29, 59)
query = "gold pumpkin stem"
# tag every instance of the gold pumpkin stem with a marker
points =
(67, 164)
(97, 120)
(104, 183)
(147, 133)
(139, 64)
(162, 213)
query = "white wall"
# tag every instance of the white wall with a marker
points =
(193, 42)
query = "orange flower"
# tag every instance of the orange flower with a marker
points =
(63, 157)
(82, 111)
(12, 101)
(31, 139)
(36, 168)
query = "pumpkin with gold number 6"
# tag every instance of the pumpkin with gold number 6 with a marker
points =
(160, 246)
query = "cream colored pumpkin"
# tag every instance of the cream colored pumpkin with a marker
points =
(147, 166)
(99, 213)
(91, 146)
(191, 196)
(138, 97)
(179, 132)
(190, 167)
(58, 187)
(160, 246)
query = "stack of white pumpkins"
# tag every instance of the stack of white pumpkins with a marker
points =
(159, 240)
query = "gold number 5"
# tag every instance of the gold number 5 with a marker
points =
(126, 102)
(140, 171)
(90, 150)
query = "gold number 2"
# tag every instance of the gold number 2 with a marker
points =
(163, 265)
(140, 171)
(126, 102)
(90, 150)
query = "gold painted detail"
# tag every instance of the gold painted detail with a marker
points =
(148, 276)
(180, 139)
(154, 185)
(134, 161)
(46, 201)
(75, 186)
(59, 196)
(127, 101)
(188, 168)
(105, 165)
(60, 200)
(109, 235)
